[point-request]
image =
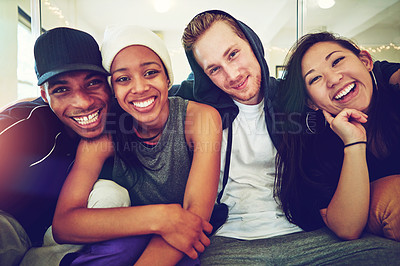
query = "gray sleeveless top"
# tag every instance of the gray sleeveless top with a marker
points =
(163, 176)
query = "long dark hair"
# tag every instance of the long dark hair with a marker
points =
(297, 135)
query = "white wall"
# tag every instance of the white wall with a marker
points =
(8, 51)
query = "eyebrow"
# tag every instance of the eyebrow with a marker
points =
(92, 74)
(141, 65)
(62, 81)
(227, 51)
(326, 59)
(57, 82)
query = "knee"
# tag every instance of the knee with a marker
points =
(108, 194)
(14, 242)
(384, 216)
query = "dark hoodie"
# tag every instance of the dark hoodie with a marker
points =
(198, 87)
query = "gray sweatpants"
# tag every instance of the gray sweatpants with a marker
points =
(14, 242)
(320, 247)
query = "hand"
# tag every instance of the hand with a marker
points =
(185, 231)
(348, 125)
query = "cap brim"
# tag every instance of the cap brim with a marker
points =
(73, 67)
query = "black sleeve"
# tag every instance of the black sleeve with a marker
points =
(24, 138)
(384, 70)
(184, 90)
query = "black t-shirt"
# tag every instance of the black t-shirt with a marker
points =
(322, 161)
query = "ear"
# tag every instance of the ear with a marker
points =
(311, 104)
(366, 59)
(43, 94)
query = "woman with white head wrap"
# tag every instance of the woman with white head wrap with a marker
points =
(166, 153)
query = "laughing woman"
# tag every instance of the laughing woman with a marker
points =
(344, 171)
(166, 154)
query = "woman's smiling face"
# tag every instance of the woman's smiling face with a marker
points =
(336, 78)
(140, 84)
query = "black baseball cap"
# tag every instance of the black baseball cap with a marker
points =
(62, 49)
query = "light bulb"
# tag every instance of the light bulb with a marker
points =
(162, 6)
(325, 4)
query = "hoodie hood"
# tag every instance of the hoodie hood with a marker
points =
(200, 88)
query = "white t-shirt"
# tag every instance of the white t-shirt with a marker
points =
(253, 212)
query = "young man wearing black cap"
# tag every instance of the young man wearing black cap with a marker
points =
(38, 139)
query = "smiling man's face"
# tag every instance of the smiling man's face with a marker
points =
(80, 99)
(229, 62)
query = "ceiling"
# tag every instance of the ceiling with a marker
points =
(370, 22)
(274, 21)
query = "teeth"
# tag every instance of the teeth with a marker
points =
(144, 103)
(239, 84)
(84, 120)
(344, 91)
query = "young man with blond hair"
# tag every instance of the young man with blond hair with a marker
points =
(231, 74)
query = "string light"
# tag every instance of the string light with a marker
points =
(277, 49)
(377, 49)
(56, 11)
(380, 48)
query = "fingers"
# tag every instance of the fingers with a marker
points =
(346, 115)
(358, 116)
(207, 227)
(199, 247)
(328, 116)
(348, 124)
(188, 235)
(205, 240)
(192, 254)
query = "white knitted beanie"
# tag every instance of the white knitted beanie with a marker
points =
(117, 38)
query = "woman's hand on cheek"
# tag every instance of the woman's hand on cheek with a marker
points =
(348, 125)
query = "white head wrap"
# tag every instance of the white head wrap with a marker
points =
(117, 38)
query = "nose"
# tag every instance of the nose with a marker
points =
(333, 78)
(232, 72)
(83, 99)
(138, 86)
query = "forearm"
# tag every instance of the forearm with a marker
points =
(347, 212)
(202, 185)
(84, 225)
(201, 206)
(159, 252)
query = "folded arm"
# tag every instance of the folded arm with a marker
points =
(75, 223)
(203, 132)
